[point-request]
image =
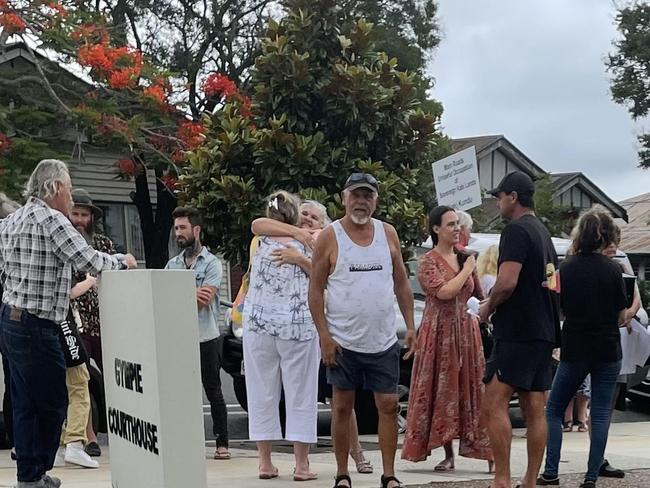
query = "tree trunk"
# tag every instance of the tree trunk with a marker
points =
(156, 225)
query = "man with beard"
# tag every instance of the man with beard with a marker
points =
(208, 272)
(359, 261)
(84, 216)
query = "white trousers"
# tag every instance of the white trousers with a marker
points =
(270, 366)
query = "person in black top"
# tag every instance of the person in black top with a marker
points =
(594, 303)
(524, 311)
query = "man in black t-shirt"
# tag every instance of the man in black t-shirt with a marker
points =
(523, 307)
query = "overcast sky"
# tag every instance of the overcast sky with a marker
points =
(534, 72)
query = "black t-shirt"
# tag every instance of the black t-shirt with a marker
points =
(592, 296)
(532, 311)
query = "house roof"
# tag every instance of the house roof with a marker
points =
(563, 182)
(486, 144)
(635, 234)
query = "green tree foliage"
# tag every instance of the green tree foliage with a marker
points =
(629, 66)
(325, 103)
(559, 219)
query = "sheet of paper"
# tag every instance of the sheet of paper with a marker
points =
(635, 346)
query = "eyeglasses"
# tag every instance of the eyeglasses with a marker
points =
(362, 177)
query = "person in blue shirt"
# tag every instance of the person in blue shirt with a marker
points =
(208, 271)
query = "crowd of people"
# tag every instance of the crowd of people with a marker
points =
(323, 291)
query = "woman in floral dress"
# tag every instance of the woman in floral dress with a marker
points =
(446, 385)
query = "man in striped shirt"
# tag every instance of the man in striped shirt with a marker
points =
(38, 249)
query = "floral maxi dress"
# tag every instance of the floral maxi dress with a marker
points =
(446, 384)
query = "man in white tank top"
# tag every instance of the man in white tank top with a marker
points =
(358, 261)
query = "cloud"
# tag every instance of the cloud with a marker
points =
(534, 71)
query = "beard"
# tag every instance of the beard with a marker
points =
(87, 232)
(359, 220)
(186, 242)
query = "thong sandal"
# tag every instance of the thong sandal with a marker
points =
(363, 465)
(582, 427)
(387, 479)
(221, 455)
(342, 477)
(304, 477)
(445, 466)
(269, 476)
(567, 426)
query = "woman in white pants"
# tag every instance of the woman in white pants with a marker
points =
(281, 349)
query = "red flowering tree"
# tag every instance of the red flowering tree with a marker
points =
(119, 101)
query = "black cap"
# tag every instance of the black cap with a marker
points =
(361, 180)
(517, 181)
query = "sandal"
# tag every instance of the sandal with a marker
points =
(445, 466)
(304, 477)
(387, 479)
(342, 477)
(567, 426)
(221, 455)
(363, 465)
(269, 476)
(582, 427)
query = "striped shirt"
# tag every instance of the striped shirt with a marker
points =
(38, 249)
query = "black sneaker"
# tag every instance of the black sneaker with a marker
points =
(544, 481)
(92, 449)
(588, 484)
(609, 471)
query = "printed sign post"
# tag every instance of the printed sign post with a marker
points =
(456, 180)
(152, 379)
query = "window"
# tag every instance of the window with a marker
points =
(121, 223)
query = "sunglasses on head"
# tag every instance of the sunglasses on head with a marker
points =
(359, 177)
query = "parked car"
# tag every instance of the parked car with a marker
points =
(366, 412)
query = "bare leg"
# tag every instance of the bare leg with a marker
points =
(301, 453)
(495, 408)
(387, 407)
(533, 402)
(342, 406)
(264, 450)
(90, 433)
(568, 416)
(356, 451)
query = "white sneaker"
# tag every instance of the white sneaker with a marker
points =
(59, 460)
(75, 454)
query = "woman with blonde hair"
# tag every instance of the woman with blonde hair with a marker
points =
(281, 347)
(486, 268)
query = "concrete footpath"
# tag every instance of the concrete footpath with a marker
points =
(628, 449)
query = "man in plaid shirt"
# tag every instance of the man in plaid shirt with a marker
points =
(38, 249)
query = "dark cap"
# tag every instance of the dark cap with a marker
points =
(361, 180)
(81, 198)
(517, 181)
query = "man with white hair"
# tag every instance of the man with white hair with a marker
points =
(465, 223)
(38, 249)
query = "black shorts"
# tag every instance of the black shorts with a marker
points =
(378, 372)
(526, 366)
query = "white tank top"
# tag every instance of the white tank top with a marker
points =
(360, 293)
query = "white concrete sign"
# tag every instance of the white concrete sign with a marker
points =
(456, 180)
(152, 377)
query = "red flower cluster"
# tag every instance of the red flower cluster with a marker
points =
(169, 181)
(156, 93)
(58, 9)
(126, 166)
(12, 23)
(218, 84)
(191, 134)
(121, 66)
(5, 144)
(112, 125)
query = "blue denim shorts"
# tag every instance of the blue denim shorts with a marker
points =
(377, 372)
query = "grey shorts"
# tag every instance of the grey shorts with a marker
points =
(377, 372)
